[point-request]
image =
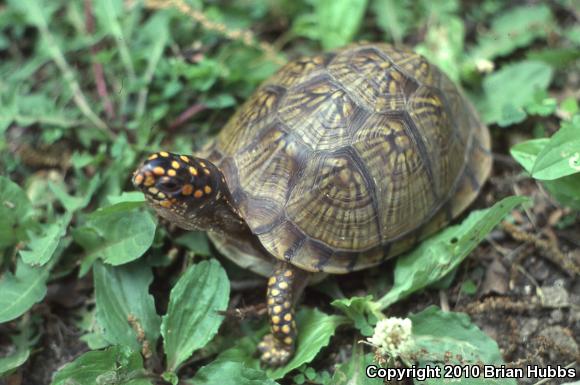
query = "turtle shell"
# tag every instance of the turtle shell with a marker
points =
(342, 160)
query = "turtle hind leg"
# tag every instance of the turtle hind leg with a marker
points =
(278, 347)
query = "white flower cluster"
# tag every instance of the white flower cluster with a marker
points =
(392, 336)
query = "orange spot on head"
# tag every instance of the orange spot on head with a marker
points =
(138, 179)
(207, 189)
(175, 164)
(171, 172)
(158, 170)
(193, 171)
(164, 154)
(198, 194)
(187, 189)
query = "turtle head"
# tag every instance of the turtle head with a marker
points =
(181, 188)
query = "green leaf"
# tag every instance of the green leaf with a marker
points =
(14, 360)
(124, 304)
(42, 247)
(570, 106)
(362, 310)
(394, 17)
(230, 373)
(561, 155)
(115, 365)
(443, 45)
(22, 343)
(509, 90)
(513, 29)
(339, 21)
(565, 189)
(451, 338)
(21, 290)
(193, 317)
(527, 152)
(195, 241)
(74, 203)
(15, 210)
(353, 372)
(86, 320)
(118, 234)
(542, 105)
(438, 255)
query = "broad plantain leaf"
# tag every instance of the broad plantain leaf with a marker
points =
(438, 255)
(15, 210)
(118, 234)
(193, 317)
(225, 372)
(510, 89)
(21, 290)
(561, 155)
(452, 338)
(124, 304)
(117, 365)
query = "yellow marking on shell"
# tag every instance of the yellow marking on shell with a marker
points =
(175, 164)
(275, 328)
(184, 158)
(171, 172)
(287, 317)
(288, 273)
(154, 156)
(283, 285)
(270, 301)
(202, 164)
(149, 181)
(286, 329)
(277, 309)
(158, 171)
(161, 195)
(287, 305)
(193, 171)
(276, 320)
(153, 190)
(266, 355)
(138, 179)
(206, 171)
(271, 281)
(288, 340)
(207, 189)
(164, 154)
(198, 194)
(187, 189)
(165, 204)
(275, 292)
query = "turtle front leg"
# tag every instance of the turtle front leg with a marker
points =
(283, 287)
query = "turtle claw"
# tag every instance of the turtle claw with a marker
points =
(274, 352)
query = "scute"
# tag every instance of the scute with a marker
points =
(342, 160)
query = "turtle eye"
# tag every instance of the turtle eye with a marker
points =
(168, 185)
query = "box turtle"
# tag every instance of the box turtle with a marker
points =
(336, 163)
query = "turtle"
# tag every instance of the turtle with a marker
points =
(336, 163)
